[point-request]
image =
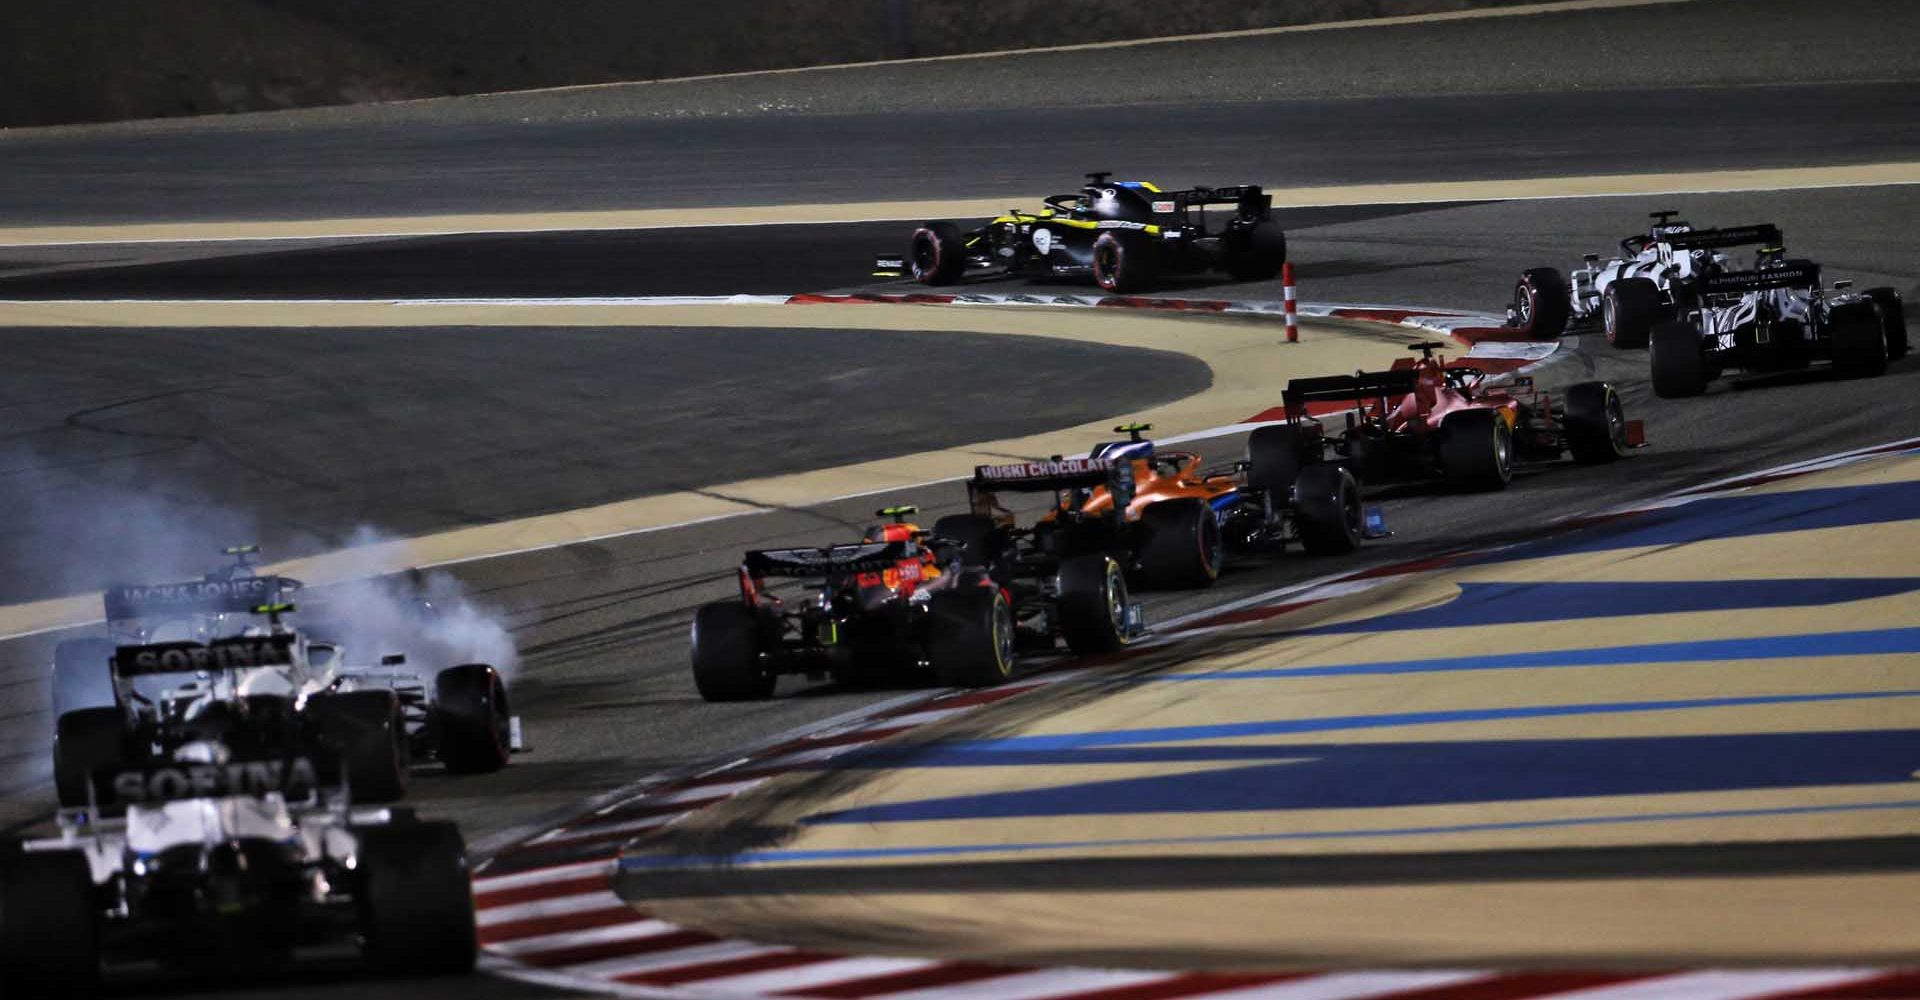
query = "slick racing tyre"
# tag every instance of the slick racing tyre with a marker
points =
(1859, 341)
(1183, 545)
(938, 254)
(1275, 455)
(1476, 450)
(1540, 304)
(1326, 510)
(1093, 604)
(415, 899)
(49, 928)
(1595, 425)
(1256, 253)
(82, 675)
(1122, 262)
(84, 741)
(1893, 320)
(970, 636)
(472, 724)
(1628, 310)
(1678, 361)
(726, 654)
(369, 733)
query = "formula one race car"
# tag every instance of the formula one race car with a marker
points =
(222, 865)
(899, 597)
(213, 659)
(1180, 519)
(1654, 279)
(1126, 234)
(1424, 419)
(1773, 318)
(1129, 512)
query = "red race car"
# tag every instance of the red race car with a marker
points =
(898, 600)
(1424, 419)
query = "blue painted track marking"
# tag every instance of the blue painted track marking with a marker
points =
(1283, 727)
(1740, 516)
(1396, 775)
(1869, 642)
(1531, 603)
(657, 862)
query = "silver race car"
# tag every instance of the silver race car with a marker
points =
(216, 659)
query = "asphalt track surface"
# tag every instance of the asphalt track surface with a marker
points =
(113, 443)
(602, 626)
(356, 170)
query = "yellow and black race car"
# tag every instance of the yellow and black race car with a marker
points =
(1125, 234)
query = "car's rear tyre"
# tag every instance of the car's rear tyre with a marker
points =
(84, 741)
(726, 654)
(369, 733)
(472, 721)
(416, 900)
(1275, 456)
(1628, 310)
(937, 254)
(82, 675)
(49, 925)
(1476, 450)
(1679, 363)
(1257, 253)
(1183, 545)
(1893, 320)
(1122, 262)
(1540, 303)
(1595, 424)
(1326, 511)
(1859, 341)
(1093, 604)
(970, 636)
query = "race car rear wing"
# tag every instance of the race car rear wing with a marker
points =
(235, 596)
(239, 653)
(1796, 275)
(295, 778)
(1250, 201)
(1766, 234)
(1358, 386)
(1055, 475)
(858, 557)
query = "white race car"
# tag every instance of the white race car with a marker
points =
(1776, 317)
(224, 864)
(212, 659)
(1654, 279)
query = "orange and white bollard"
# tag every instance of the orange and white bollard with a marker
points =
(1293, 309)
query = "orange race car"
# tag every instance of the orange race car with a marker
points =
(1128, 511)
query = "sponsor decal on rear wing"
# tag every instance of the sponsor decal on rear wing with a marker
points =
(238, 595)
(1055, 474)
(869, 557)
(1731, 236)
(294, 778)
(241, 653)
(1736, 282)
(1251, 200)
